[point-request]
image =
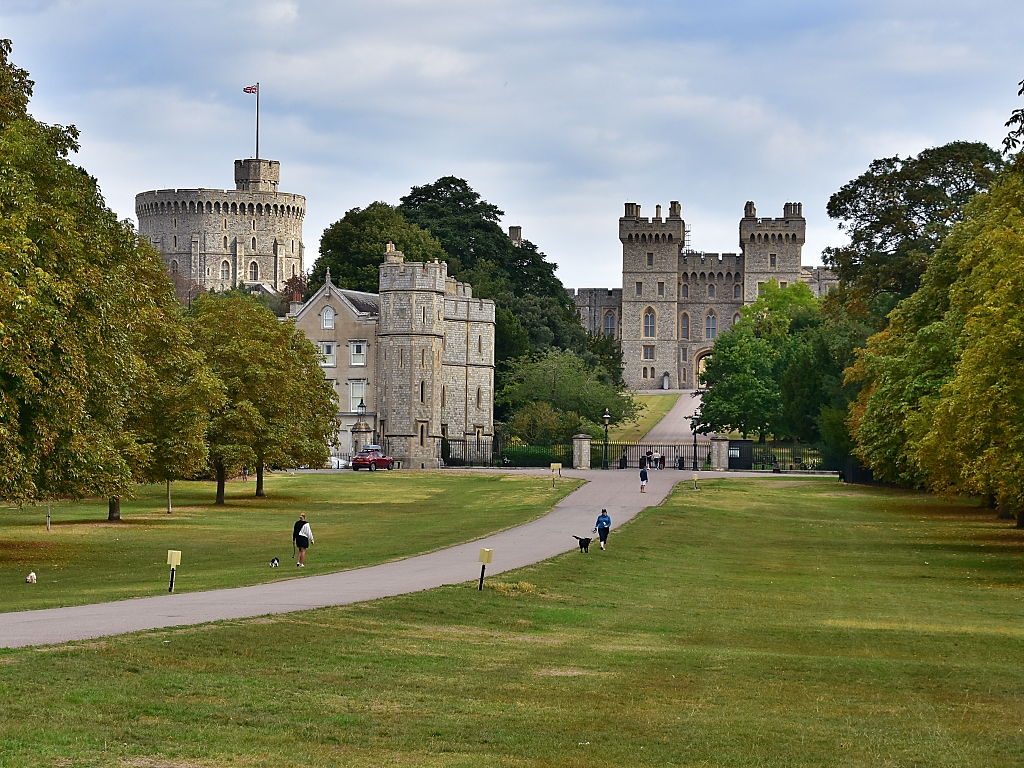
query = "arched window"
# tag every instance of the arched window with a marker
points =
(423, 391)
(751, 237)
(736, 291)
(479, 399)
(225, 241)
(609, 325)
(650, 329)
(711, 291)
(254, 243)
(686, 290)
(645, 371)
(234, 208)
(736, 318)
(174, 267)
(254, 271)
(684, 326)
(225, 270)
(710, 326)
(327, 317)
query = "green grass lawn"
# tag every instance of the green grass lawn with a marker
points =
(655, 406)
(358, 518)
(751, 623)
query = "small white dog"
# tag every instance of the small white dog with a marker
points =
(31, 578)
(274, 563)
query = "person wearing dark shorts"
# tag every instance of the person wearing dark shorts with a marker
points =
(604, 524)
(643, 480)
(303, 537)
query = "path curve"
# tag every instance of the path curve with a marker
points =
(675, 426)
(617, 491)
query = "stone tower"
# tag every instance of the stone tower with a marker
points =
(250, 235)
(650, 276)
(410, 338)
(771, 247)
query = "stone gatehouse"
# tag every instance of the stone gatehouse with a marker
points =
(674, 301)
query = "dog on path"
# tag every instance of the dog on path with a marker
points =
(584, 543)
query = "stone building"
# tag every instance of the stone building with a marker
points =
(674, 301)
(219, 239)
(419, 356)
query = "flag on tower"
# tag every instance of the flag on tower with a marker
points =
(252, 88)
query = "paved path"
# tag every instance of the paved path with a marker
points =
(617, 491)
(674, 426)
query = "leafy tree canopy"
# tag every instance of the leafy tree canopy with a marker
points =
(353, 247)
(897, 213)
(743, 394)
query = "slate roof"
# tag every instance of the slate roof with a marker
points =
(363, 302)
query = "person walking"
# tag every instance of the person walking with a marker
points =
(302, 535)
(604, 524)
(643, 479)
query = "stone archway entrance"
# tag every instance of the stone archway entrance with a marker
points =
(666, 380)
(699, 365)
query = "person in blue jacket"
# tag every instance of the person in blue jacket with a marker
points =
(604, 524)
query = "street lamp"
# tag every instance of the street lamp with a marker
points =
(607, 418)
(693, 426)
(361, 409)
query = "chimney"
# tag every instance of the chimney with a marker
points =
(657, 211)
(749, 211)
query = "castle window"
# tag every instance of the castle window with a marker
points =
(645, 371)
(609, 326)
(252, 211)
(254, 243)
(682, 373)
(736, 291)
(174, 240)
(423, 434)
(670, 237)
(682, 354)
(771, 259)
(423, 358)
(650, 259)
(684, 326)
(661, 289)
(234, 208)
(293, 246)
(629, 238)
(254, 271)
(639, 289)
(423, 391)
(479, 345)
(736, 318)
(650, 329)
(649, 353)
(327, 319)
(710, 326)
(356, 394)
(225, 270)
(209, 207)
(686, 291)
(328, 355)
(225, 241)
(711, 291)
(357, 353)
(479, 398)
(738, 278)
(751, 238)
(444, 399)
(174, 267)
(783, 285)
(401, 358)
(760, 289)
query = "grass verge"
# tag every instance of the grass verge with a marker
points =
(358, 519)
(655, 408)
(753, 622)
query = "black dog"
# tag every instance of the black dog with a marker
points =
(584, 543)
(274, 563)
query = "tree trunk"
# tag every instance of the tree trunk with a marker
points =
(168, 496)
(114, 508)
(259, 477)
(221, 478)
(1020, 520)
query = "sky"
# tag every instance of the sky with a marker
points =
(556, 111)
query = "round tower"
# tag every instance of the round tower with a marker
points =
(251, 235)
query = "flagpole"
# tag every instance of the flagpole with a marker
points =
(257, 121)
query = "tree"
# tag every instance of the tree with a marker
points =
(742, 392)
(279, 409)
(896, 214)
(353, 247)
(564, 381)
(74, 282)
(1016, 126)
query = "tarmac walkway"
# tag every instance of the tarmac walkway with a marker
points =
(674, 427)
(615, 490)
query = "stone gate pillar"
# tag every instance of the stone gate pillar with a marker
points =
(581, 451)
(719, 452)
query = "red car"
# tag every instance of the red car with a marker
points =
(373, 458)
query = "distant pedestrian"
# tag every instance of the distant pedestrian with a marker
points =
(302, 535)
(604, 524)
(656, 459)
(643, 480)
(245, 474)
(648, 459)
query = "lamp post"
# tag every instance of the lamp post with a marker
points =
(607, 418)
(693, 426)
(361, 429)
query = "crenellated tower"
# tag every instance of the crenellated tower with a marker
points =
(771, 247)
(410, 339)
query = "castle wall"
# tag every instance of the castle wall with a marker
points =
(595, 305)
(208, 235)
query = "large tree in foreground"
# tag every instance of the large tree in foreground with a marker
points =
(279, 410)
(74, 287)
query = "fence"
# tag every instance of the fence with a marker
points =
(630, 455)
(513, 453)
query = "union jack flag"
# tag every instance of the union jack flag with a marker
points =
(252, 89)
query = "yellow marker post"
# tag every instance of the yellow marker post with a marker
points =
(695, 481)
(555, 467)
(485, 558)
(173, 560)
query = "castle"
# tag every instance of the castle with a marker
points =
(674, 301)
(250, 235)
(412, 365)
